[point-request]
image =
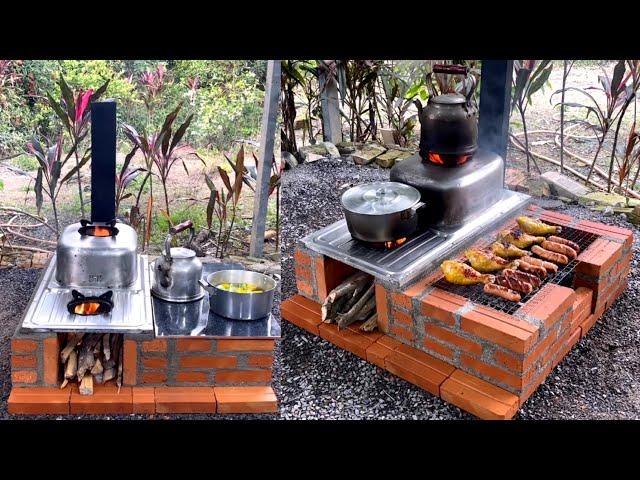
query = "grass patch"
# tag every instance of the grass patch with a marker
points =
(26, 163)
(196, 213)
(1, 185)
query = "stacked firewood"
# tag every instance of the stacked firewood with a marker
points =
(92, 358)
(354, 300)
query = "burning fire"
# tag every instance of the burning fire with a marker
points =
(448, 159)
(101, 231)
(394, 243)
(87, 308)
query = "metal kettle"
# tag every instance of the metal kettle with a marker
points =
(449, 124)
(177, 271)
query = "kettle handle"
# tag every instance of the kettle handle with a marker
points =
(457, 70)
(173, 231)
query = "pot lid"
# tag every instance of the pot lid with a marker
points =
(449, 99)
(380, 198)
(181, 252)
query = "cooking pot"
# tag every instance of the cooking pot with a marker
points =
(177, 271)
(240, 306)
(381, 211)
(448, 124)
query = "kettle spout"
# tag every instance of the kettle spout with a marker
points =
(418, 105)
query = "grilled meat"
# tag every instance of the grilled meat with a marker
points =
(519, 239)
(536, 270)
(548, 266)
(550, 256)
(513, 283)
(559, 248)
(523, 276)
(536, 227)
(564, 241)
(460, 273)
(502, 292)
(508, 250)
(486, 262)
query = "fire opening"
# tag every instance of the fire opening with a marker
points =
(447, 159)
(97, 230)
(389, 245)
(90, 305)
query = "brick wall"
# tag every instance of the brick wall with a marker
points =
(34, 359)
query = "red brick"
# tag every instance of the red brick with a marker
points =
(237, 345)
(191, 377)
(381, 308)
(401, 332)
(303, 273)
(549, 304)
(154, 377)
(493, 372)
(418, 288)
(229, 361)
(154, 362)
(417, 367)
(401, 300)
(301, 258)
(599, 257)
(130, 362)
(376, 354)
(51, 364)
(389, 342)
(38, 401)
(310, 305)
(346, 339)
(193, 345)
(157, 345)
(509, 361)
(515, 335)
(441, 306)
(106, 399)
(436, 347)
(402, 318)
(143, 400)
(185, 400)
(372, 336)
(329, 274)
(478, 397)
(260, 361)
(304, 287)
(292, 311)
(243, 376)
(24, 376)
(589, 322)
(23, 361)
(450, 337)
(581, 305)
(246, 400)
(19, 345)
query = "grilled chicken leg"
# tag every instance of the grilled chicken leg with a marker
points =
(508, 250)
(486, 262)
(519, 239)
(536, 227)
(460, 273)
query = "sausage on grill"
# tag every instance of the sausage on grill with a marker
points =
(522, 276)
(502, 292)
(550, 256)
(536, 270)
(548, 266)
(514, 284)
(559, 248)
(564, 241)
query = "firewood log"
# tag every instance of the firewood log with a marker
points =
(346, 319)
(71, 368)
(86, 385)
(86, 360)
(109, 374)
(366, 310)
(345, 288)
(72, 341)
(119, 377)
(98, 378)
(106, 347)
(370, 324)
(97, 367)
(358, 292)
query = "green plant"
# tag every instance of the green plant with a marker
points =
(1, 185)
(25, 162)
(527, 80)
(126, 175)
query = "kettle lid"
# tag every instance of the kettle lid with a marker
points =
(449, 99)
(181, 252)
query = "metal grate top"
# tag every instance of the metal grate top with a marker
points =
(563, 277)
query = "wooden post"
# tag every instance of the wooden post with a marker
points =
(265, 157)
(495, 106)
(330, 103)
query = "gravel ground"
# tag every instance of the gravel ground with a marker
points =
(598, 379)
(17, 285)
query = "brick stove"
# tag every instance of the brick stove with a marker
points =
(479, 355)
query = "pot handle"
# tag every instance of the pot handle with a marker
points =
(203, 283)
(418, 206)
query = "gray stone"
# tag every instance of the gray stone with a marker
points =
(307, 150)
(561, 185)
(608, 200)
(289, 160)
(368, 153)
(387, 136)
(346, 148)
(388, 159)
(332, 150)
(538, 187)
(312, 157)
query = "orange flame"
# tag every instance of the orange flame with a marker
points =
(101, 232)
(395, 243)
(87, 308)
(448, 159)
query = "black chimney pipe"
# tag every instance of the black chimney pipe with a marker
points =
(103, 161)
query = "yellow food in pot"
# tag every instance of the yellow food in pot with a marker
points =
(240, 287)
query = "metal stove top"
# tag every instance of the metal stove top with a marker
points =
(131, 306)
(421, 252)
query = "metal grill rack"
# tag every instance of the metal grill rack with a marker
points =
(563, 277)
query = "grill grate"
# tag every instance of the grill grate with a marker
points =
(563, 277)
